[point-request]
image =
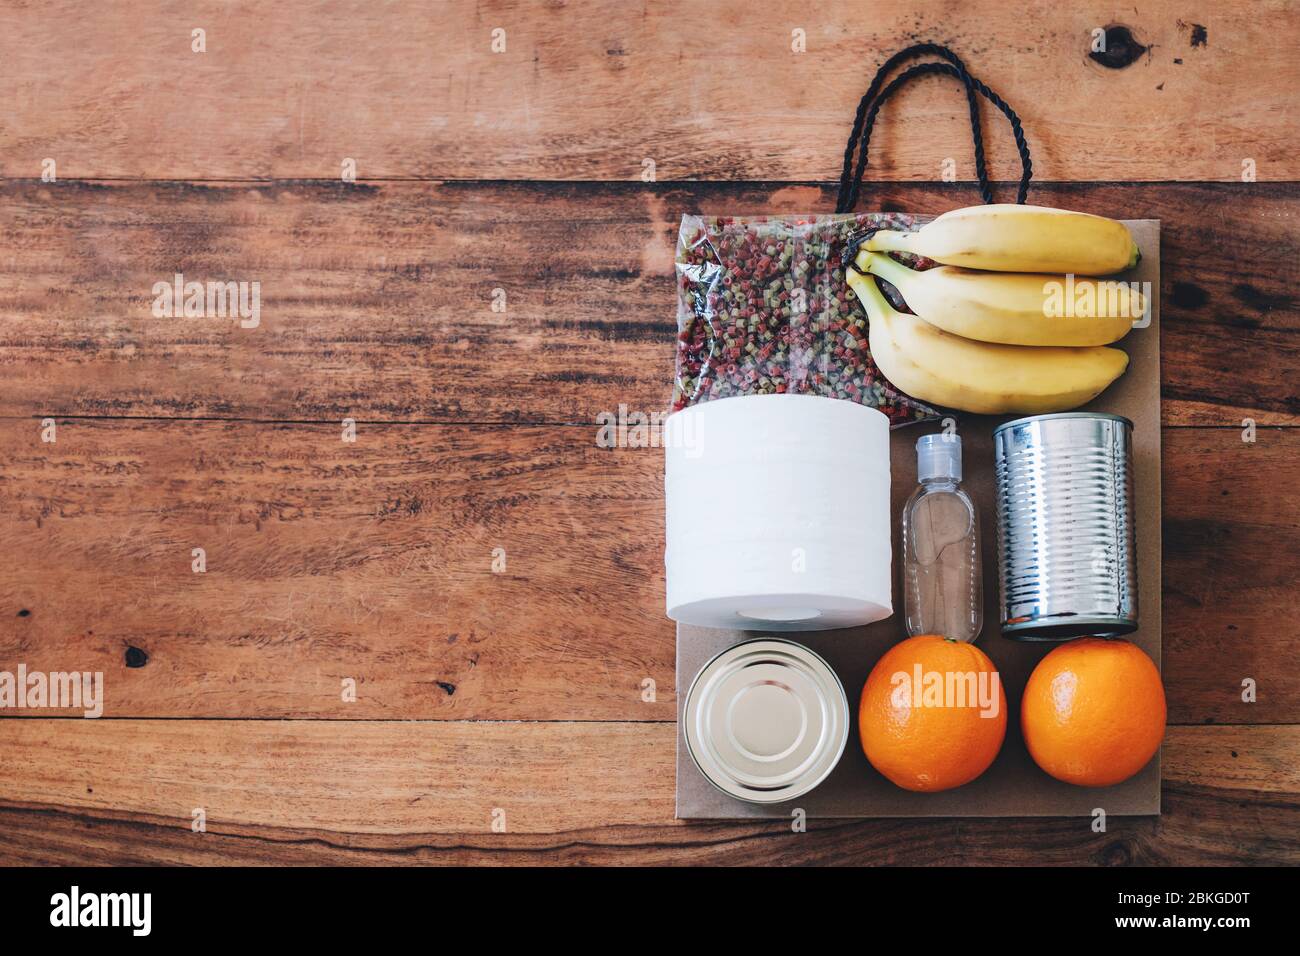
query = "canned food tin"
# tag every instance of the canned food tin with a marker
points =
(766, 720)
(1066, 547)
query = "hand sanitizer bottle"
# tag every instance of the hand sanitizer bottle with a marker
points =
(943, 591)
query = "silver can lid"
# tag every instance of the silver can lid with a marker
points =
(766, 720)
(1062, 416)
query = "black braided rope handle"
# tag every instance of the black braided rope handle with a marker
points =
(869, 107)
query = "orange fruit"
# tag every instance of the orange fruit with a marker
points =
(931, 733)
(1093, 713)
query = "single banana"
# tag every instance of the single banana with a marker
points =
(1014, 308)
(936, 366)
(1011, 238)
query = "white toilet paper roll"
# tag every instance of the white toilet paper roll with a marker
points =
(778, 513)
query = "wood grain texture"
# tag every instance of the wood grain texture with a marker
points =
(379, 777)
(1222, 508)
(376, 299)
(522, 691)
(373, 561)
(123, 792)
(328, 561)
(591, 88)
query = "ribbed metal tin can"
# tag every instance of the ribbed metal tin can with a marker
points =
(1066, 548)
(766, 720)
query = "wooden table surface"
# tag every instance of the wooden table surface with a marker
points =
(499, 715)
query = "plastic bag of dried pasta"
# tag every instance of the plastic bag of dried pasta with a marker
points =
(763, 308)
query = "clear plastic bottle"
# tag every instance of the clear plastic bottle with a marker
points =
(943, 590)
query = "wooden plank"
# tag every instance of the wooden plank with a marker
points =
(373, 777)
(1224, 627)
(377, 299)
(373, 561)
(589, 90)
(329, 561)
(401, 793)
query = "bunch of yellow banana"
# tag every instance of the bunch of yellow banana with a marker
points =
(1007, 238)
(997, 341)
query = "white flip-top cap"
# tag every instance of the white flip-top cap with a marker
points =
(938, 456)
